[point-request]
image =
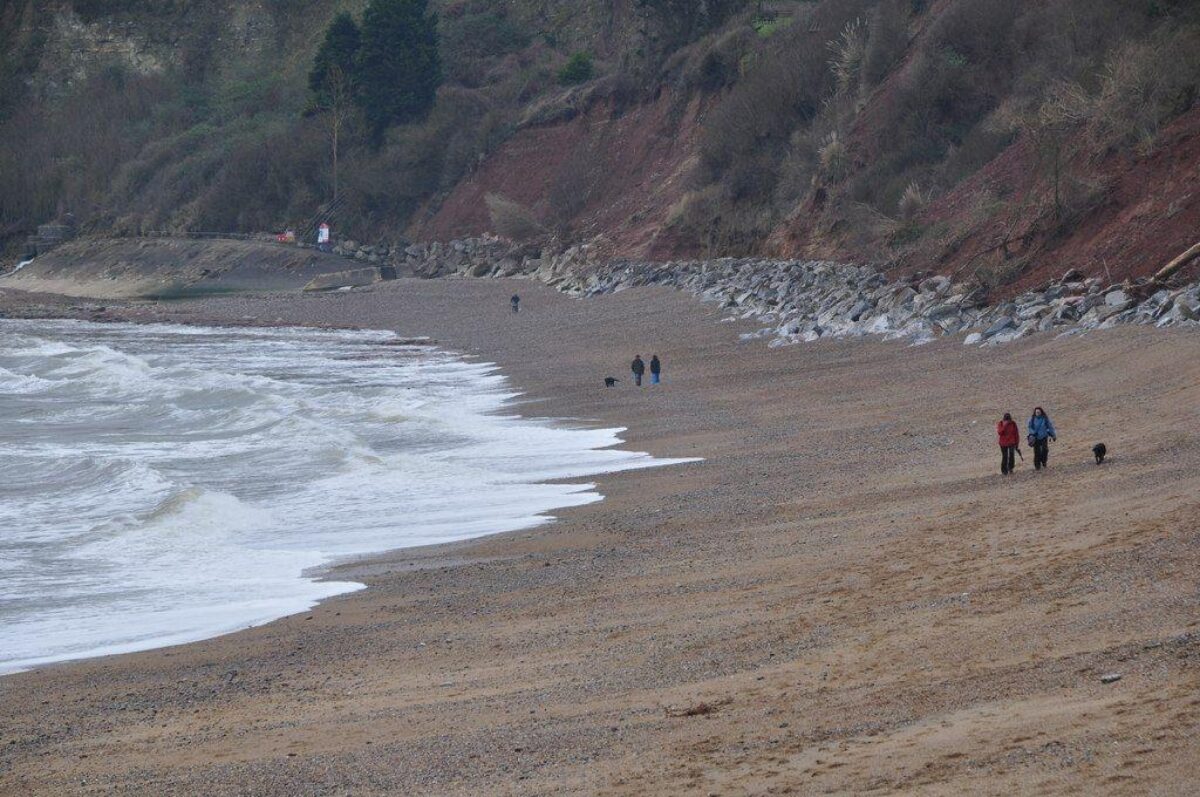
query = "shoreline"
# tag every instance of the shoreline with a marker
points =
(505, 402)
(739, 627)
(788, 301)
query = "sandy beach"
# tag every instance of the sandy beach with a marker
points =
(844, 597)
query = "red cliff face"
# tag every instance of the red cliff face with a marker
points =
(1139, 210)
(601, 173)
(623, 175)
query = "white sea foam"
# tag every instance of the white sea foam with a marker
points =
(165, 484)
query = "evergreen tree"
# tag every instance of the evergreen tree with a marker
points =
(335, 61)
(398, 66)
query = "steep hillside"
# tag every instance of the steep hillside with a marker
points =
(1001, 141)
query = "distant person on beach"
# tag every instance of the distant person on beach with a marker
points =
(638, 367)
(1041, 432)
(1009, 437)
(655, 370)
(516, 303)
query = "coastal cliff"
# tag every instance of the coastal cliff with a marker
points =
(1006, 142)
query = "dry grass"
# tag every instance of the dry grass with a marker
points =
(912, 202)
(848, 50)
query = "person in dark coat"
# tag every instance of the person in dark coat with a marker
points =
(516, 303)
(1041, 432)
(638, 367)
(1009, 437)
(655, 370)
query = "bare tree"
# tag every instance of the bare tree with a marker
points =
(1053, 128)
(338, 110)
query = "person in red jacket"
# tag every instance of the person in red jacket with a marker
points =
(1009, 437)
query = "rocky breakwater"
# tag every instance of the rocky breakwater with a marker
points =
(800, 301)
(1076, 304)
(807, 300)
(485, 256)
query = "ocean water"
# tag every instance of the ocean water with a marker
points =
(162, 484)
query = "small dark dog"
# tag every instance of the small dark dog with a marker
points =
(1100, 450)
(610, 381)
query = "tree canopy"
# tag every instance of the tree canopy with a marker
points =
(398, 68)
(335, 60)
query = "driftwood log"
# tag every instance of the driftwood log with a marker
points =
(1176, 264)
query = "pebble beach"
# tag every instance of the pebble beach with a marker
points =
(842, 596)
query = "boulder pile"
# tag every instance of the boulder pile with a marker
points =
(475, 257)
(807, 300)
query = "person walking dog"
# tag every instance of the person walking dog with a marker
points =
(1009, 437)
(1041, 432)
(638, 367)
(655, 370)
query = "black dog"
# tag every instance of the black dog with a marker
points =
(610, 381)
(1100, 450)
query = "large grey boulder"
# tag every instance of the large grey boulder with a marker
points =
(942, 312)
(904, 296)
(936, 284)
(998, 326)
(1033, 311)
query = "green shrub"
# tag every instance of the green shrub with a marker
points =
(768, 27)
(578, 69)
(906, 235)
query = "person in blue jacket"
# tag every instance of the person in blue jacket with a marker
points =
(1041, 432)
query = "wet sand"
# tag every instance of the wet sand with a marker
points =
(844, 596)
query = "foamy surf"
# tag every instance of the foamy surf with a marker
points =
(164, 484)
